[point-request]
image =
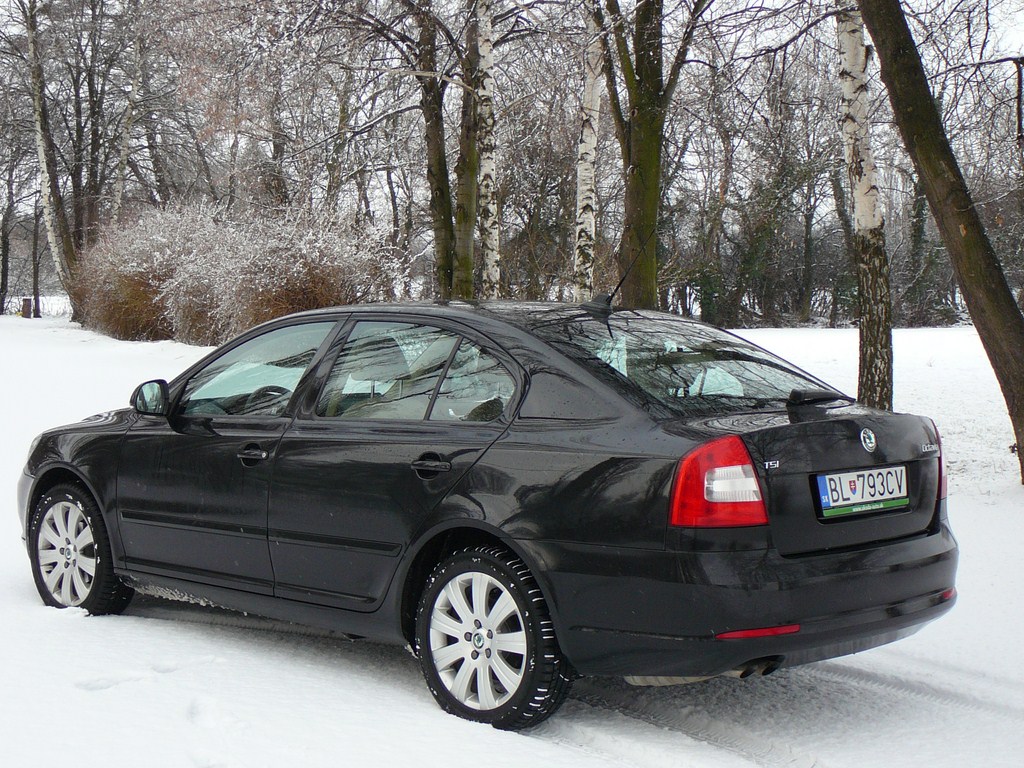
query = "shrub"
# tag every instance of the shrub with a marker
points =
(189, 274)
(120, 289)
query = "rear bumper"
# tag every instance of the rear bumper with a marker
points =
(635, 612)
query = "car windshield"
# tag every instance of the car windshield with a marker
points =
(687, 367)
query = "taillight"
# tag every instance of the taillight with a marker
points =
(716, 487)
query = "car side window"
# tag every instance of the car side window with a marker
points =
(256, 378)
(386, 371)
(477, 388)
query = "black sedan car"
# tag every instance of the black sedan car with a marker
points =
(523, 493)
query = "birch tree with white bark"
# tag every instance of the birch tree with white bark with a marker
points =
(586, 165)
(57, 226)
(874, 386)
(487, 139)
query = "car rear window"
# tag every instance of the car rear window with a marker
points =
(687, 367)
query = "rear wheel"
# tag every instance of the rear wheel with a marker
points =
(70, 553)
(486, 643)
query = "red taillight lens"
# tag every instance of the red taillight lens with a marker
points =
(716, 487)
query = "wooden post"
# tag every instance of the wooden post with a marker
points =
(26, 307)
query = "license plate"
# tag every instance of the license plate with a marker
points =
(869, 490)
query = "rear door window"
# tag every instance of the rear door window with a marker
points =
(477, 388)
(414, 372)
(387, 371)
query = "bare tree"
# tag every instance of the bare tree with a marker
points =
(874, 385)
(636, 62)
(58, 228)
(487, 202)
(586, 165)
(996, 315)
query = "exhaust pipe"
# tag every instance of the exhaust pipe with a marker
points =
(762, 667)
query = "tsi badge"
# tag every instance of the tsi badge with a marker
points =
(867, 439)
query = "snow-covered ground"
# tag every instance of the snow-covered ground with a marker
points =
(174, 685)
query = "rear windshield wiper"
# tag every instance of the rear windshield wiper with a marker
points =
(809, 396)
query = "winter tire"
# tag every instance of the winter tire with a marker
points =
(70, 553)
(486, 642)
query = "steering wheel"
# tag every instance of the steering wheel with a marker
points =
(264, 398)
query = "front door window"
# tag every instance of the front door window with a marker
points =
(256, 378)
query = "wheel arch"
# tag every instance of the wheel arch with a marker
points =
(54, 476)
(107, 594)
(435, 546)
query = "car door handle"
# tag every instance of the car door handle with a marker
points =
(431, 465)
(252, 454)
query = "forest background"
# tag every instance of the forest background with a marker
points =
(185, 169)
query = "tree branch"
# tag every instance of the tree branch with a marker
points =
(699, 7)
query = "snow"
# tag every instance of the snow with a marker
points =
(172, 684)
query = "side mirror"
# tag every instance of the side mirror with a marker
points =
(152, 398)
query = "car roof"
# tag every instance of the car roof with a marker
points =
(525, 315)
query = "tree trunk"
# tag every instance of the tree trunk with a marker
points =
(339, 144)
(95, 91)
(487, 203)
(58, 230)
(996, 316)
(125, 139)
(874, 386)
(586, 168)
(835, 178)
(161, 176)
(37, 215)
(5, 251)
(201, 156)
(6, 225)
(641, 147)
(467, 169)
(710, 283)
(432, 104)
(639, 128)
(806, 291)
(917, 305)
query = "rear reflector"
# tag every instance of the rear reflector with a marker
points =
(949, 594)
(716, 487)
(743, 634)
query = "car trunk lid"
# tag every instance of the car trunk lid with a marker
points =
(837, 476)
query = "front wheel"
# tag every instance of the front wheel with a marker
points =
(70, 554)
(486, 642)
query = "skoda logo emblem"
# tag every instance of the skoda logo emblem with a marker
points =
(867, 439)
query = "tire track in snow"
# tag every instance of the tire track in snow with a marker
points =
(910, 688)
(690, 721)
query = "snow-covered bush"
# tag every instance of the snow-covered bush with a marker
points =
(120, 284)
(193, 275)
(307, 264)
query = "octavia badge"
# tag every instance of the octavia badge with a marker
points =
(867, 439)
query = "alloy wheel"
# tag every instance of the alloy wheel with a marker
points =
(478, 641)
(67, 553)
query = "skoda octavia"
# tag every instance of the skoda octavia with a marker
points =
(523, 493)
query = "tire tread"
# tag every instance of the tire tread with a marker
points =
(109, 595)
(553, 677)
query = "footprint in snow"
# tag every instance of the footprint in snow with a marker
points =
(207, 712)
(103, 683)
